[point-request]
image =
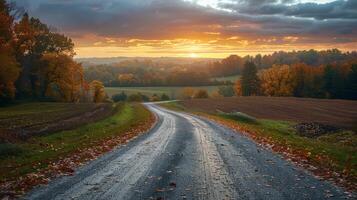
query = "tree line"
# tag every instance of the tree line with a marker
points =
(37, 63)
(337, 81)
(234, 65)
(134, 73)
(149, 73)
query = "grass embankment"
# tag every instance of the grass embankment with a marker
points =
(332, 156)
(45, 154)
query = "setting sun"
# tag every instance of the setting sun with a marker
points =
(193, 55)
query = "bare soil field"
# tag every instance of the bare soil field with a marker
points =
(27, 120)
(339, 113)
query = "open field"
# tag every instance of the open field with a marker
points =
(173, 92)
(38, 152)
(38, 118)
(340, 113)
(332, 152)
(228, 78)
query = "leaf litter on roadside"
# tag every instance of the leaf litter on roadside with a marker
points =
(11, 189)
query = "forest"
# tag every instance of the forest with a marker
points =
(336, 81)
(317, 74)
(37, 62)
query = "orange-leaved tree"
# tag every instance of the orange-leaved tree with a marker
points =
(98, 91)
(201, 94)
(9, 68)
(61, 77)
(278, 81)
(187, 93)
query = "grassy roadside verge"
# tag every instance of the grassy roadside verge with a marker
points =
(44, 157)
(330, 156)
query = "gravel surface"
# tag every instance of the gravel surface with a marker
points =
(187, 157)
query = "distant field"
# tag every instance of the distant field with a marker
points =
(173, 92)
(341, 113)
(228, 78)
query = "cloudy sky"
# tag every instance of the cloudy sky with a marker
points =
(199, 28)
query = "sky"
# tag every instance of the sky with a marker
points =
(199, 28)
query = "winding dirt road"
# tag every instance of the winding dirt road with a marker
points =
(186, 157)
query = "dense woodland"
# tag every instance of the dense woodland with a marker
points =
(37, 63)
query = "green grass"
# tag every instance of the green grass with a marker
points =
(340, 147)
(173, 92)
(281, 132)
(228, 78)
(43, 149)
(239, 116)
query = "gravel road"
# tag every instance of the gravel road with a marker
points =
(187, 157)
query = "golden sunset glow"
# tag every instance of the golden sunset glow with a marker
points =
(199, 28)
(214, 48)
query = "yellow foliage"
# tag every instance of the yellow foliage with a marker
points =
(216, 94)
(201, 94)
(126, 78)
(187, 93)
(98, 91)
(238, 88)
(63, 77)
(278, 81)
(9, 71)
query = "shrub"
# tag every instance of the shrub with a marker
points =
(201, 94)
(226, 91)
(165, 97)
(155, 97)
(216, 94)
(135, 98)
(187, 93)
(120, 97)
(144, 97)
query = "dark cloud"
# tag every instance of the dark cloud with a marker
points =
(166, 19)
(340, 9)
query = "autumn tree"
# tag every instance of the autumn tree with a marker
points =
(98, 91)
(238, 88)
(308, 80)
(154, 97)
(278, 81)
(187, 93)
(201, 94)
(9, 68)
(61, 77)
(352, 83)
(249, 80)
(33, 40)
(216, 94)
(126, 79)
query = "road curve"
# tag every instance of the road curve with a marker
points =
(187, 157)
